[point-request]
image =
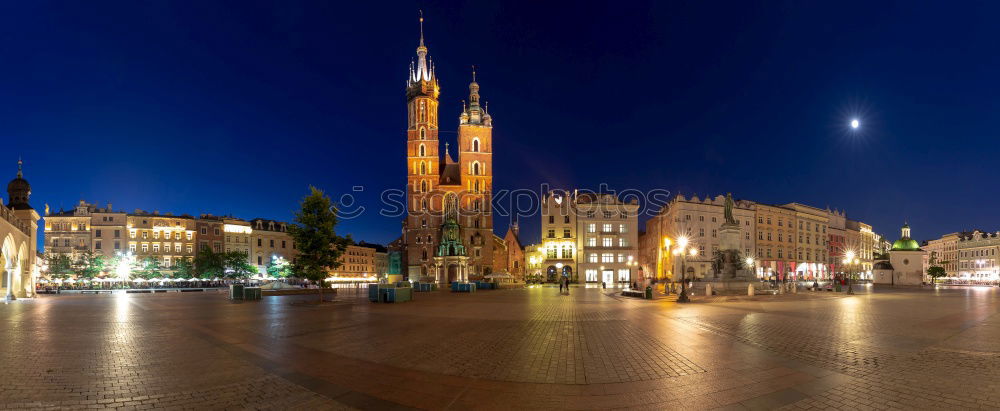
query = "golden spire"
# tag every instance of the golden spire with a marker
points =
(421, 28)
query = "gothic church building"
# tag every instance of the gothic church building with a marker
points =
(448, 231)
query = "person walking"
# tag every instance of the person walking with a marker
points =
(560, 286)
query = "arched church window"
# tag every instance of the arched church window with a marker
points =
(423, 133)
(476, 185)
(423, 168)
(423, 189)
(475, 145)
(422, 151)
(475, 168)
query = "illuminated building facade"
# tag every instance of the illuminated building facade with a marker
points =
(444, 195)
(270, 240)
(943, 252)
(979, 257)
(811, 252)
(210, 235)
(700, 221)
(357, 261)
(165, 238)
(607, 239)
(237, 234)
(18, 243)
(776, 229)
(559, 236)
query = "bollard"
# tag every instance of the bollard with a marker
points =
(794, 288)
(750, 290)
(708, 290)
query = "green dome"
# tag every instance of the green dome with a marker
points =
(905, 244)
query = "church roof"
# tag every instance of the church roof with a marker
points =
(451, 174)
(905, 244)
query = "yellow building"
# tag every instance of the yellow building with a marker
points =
(164, 237)
(270, 240)
(358, 261)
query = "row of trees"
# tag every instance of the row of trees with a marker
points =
(208, 264)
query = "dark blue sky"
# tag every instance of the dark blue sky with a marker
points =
(236, 107)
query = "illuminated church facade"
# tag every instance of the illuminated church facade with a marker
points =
(448, 230)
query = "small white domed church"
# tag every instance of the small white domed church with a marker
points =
(905, 263)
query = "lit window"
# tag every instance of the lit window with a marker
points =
(607, 257)
(606, 241)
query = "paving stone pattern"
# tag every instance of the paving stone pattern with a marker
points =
(525, 349)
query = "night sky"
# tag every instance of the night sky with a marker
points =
(236, 108)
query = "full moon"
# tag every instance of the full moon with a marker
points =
(855, 123)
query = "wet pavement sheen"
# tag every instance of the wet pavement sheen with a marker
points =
(525, 349)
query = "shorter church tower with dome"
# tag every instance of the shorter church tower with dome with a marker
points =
(905, 263)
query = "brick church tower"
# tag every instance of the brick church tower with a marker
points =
(442, 192)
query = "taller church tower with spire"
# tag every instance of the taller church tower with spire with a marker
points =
(448, 231)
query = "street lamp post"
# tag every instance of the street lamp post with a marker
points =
(848, 262)
(682, 251)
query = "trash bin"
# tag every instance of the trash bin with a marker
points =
(236, 292)
(251, 293)
(649, 293)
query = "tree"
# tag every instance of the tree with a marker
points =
(60, 265)
(237, 266)
(314, 233)
(209, 264)
(148, 268)
(279, 267)
(935, 272)
(88, 264)
(184, 268)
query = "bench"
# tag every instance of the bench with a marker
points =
(633, 293)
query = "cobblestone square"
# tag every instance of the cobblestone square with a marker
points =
(524, 349)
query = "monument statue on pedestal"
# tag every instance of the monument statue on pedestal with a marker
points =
(728, 260)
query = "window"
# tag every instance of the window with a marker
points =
(687, 217)
(606, 241)
(713, 219)
(188, 248)
(145, 235)
(282, 243)
(608, 258)
(156, 247)
(713, 232)
(550, 252)
(217, 231)
(701, 232)
(768, 236)
(97, 245)
(204, 231)
(566, 233)
(271, 243)
(623, 275)
(475, 169)
(167, 248)
(552, 219)
(591, 275)
(423, 168)
(760, 220)
(591, 228)
(746, 236)
(423, 132)
(552, 234)
(701, 218)
(145, 247)
(118, 233)
(607, 228)
(622, 242)
(97, 233)
(156, 235)
(422, 151)
(760, 235)
(475, 145)
(118, 245)
(621, 228)
(566, 219)
(592, 258)
(607, 214)
(591, 241)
